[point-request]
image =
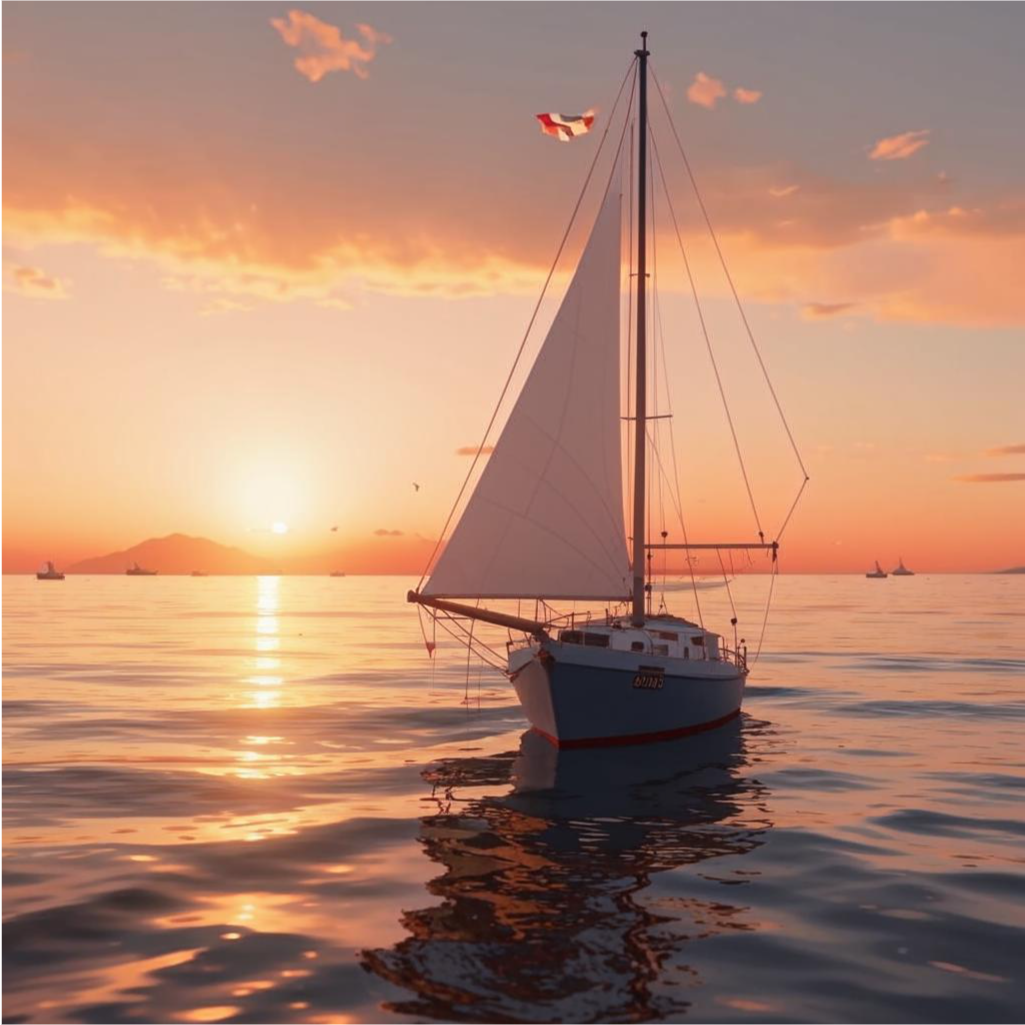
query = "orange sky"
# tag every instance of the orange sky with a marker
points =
(284, 278)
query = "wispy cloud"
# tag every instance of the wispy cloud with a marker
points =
(382, 532)
(742, 95)
(780, 191)
(323, 47)
(705, 91)
(815, 311)
(31, 281)
(900, 147)
(1007, 450)
(223, 304)
(990, 478)
(471, 450)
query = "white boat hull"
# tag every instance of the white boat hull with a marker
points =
(576, 696)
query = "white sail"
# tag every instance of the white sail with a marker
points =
(546, 518)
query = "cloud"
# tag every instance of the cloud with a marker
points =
(381, 532)
(747, 95)
(33, 282)
(705, 91)
(990, 478)
(815, 311)
(471, 450)
(1007, 450)
(323, 47)
(222, 304)
(212, 220)
(900, 147)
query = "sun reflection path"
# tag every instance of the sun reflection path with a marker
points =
(266, 676)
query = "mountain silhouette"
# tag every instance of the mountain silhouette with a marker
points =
(178, 553)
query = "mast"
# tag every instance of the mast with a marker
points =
(641, 402)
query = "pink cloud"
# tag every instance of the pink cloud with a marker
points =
(991, 478)
(705, 91)
(815, 311)
(323, 47)
(747, 95)
(33, 282)
(900, 147)
(1007, 450)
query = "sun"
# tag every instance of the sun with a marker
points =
(279, 527)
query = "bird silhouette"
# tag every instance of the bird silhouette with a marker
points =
(334, 530)
(416, 486)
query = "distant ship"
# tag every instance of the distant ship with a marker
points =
(137, 571)
(194, 573)
(50, 573)
(878, 573)
(902, 570)
(338, 573)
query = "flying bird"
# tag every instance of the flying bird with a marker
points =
(334, 530)
(416, 487)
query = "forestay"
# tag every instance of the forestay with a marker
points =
(546, 518)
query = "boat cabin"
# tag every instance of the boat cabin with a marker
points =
(666, 635)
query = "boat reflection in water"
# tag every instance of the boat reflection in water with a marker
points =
(548, 910)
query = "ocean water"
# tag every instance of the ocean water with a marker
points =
(257, 800)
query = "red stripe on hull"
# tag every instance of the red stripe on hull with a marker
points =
(639, 738)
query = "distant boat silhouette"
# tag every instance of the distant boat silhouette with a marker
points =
(137, 571)
(197, 573)
(50, 573)
(878, 573)
(338, 573)
(902, 570)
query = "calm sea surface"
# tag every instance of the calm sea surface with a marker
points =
(256, 800)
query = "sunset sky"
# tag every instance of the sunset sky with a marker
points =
(268, 264)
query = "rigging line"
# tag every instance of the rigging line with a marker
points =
(657, 376)
(630, 314)
(480, 648)
(675, 481)
(800, 491)
(683, 528)
(537, 307)
(729, 592)
(768, 605)
(708, 341)
(729, 277)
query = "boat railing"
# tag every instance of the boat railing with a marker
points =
(737, 657)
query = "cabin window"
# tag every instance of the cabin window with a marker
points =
(698, 641)
(637, 646)
(666, 635)
(596, 640)
(661, 649)
(571, 637)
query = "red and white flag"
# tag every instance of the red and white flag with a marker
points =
(566, 126)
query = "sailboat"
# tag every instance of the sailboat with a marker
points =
(545, 524)
(902, 570)
(50, 572)
(878, 573)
